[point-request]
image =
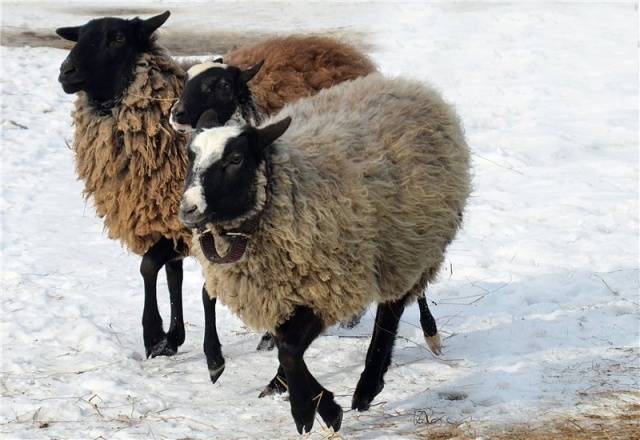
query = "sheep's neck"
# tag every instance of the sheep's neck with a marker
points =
(238, 236)
(246, 113)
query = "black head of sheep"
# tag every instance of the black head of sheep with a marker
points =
(223, 164)
(213, 86)
(103, 59)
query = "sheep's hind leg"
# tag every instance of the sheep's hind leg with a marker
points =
(306, 395)
(429, 328)
(211, 345)
(379, 354)
(175, 335)
(155, 340)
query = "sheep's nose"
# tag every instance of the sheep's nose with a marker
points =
(67, 67)
(177, 110)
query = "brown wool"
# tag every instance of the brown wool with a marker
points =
(298, 66)
(131, 161)
(368, 186)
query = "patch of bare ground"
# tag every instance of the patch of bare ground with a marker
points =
(93, 11)
(588, 426)
(177, 42)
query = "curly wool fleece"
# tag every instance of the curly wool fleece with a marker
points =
(298, 66)
(367, 190)
(131, 161)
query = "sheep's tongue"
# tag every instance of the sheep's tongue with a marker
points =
(237, 246)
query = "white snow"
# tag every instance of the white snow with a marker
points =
(538, 301)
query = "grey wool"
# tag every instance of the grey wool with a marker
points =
(367, 188)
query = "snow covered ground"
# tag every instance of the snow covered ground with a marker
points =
(539, 300)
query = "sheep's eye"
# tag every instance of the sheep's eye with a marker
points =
(118, 39)
(223, 85)
(235, 159)
(206, 86)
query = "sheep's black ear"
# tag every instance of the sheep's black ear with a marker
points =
(69, 33)
(150, 25)
(267, 135)
(208, 119)
(246, 75)
(217, 59)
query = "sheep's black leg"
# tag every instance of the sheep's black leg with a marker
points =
(379, 354)
(278, 384)
(175, 335)
(211, 345)
(306, 395)
(267, 342)
(155, 340)
(429, 328)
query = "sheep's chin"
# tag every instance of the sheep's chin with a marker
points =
(204, 228)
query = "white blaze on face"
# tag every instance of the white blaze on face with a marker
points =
(208, 147)
(199, 68)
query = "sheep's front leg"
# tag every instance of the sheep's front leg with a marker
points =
(155, 340)
(306, 395)
(175, 335)
(379, 354)
(211, 345)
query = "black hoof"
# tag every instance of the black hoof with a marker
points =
(215, 363)
(163, 347)
(365, 392)
(278, 385)
(304, 417)
(216, 372)
(267, 342)
(330, 411)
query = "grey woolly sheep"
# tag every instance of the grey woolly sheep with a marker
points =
(300, 226)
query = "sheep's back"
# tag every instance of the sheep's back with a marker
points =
(396, 144)
(298, 66)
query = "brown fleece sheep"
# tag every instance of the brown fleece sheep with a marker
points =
(366, 190)
(298, 66)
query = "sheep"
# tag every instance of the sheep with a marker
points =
(223, 90)
(280, 72)
(283, 69)
(132, 163)
(299, 225)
